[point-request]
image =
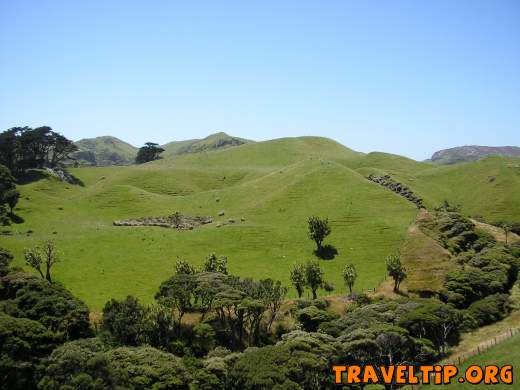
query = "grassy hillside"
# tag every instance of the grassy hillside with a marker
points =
(211, 142)
(505, 353)
(488, 187)
(273, 185)
(105, 150)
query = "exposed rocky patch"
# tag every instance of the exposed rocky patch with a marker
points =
(398, 188)
(63, 175)
(174, 221)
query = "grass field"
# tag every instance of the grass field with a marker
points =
(505, 353)
(274, 186)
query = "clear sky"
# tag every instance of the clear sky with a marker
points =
(407, 77)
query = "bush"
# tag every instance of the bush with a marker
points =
(53, 306)
(22, 343)
(311, 317)
(490, 309)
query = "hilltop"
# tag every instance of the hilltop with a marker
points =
(472, 153)
(215, 141)
(106, 150)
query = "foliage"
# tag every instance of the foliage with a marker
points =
(298, 278)
(6, 257)
(25, 296)
(149, 152)
(490, 309)
(122, 320)
(90, 364)
(8, 194)
(311, 317)
(22, 343)
(216, 264)
(318, 229)
(44, 255)
(183, 267)
(396, 270)
(349, 276)
(22, 148)
(313, 276)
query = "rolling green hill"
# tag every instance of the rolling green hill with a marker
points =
(211, 142)
(268, 189)
(102, 151)
(488, 187)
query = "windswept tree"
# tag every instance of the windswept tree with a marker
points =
(396, 270)
(318, 230)
(314, 277)
(349, 276)
(298, 278)
(42, 256)
(149, 152)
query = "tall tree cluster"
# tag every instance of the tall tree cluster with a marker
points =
(23, 148)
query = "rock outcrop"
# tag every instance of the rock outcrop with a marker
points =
(174, 221)
(398, 188)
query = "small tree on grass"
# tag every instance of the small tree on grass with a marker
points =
(298, 278)
(318, 230)
(506, 227)
(42, 256)
(349, 276)
(313, 276)
(216, 264)
(396, 270)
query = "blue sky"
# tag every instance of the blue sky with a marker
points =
(407, 77)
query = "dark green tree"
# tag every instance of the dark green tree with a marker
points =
(349, 276)
(298, 278)
(313, 277)
(149, 152)
(318, 230)
(396, 270)
(123, 320)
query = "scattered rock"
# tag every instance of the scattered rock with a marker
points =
(62, 175)
(221, 213)
(398, 188)
(174, 221)
(231, 220)
(242, 219)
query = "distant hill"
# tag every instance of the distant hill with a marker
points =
(102, 151)
(472, 153)
(211, 142)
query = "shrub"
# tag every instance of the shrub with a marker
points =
(490, 309)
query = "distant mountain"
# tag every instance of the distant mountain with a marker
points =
(102, 151)
(211, 142)
(472, 153)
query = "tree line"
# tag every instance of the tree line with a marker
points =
(22, 148)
